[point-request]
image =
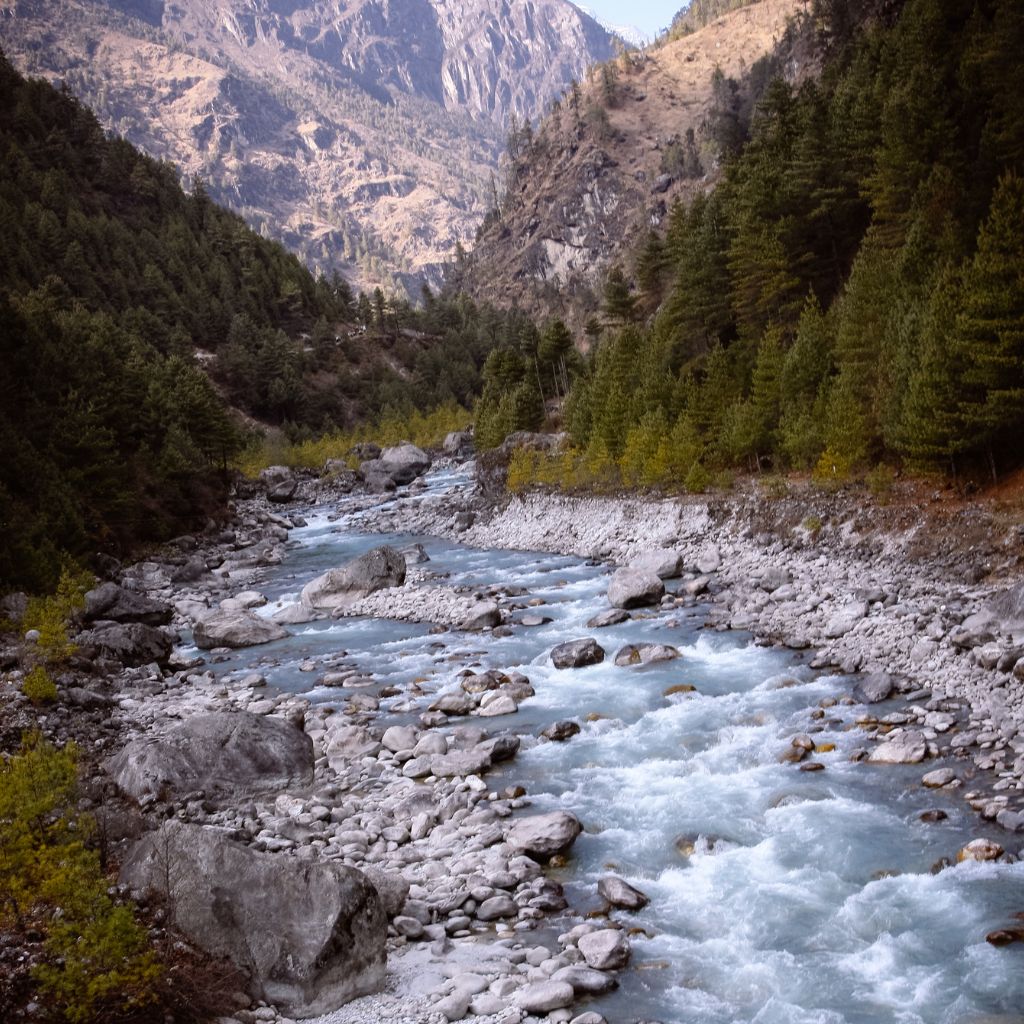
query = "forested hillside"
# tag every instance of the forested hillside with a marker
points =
(853, 290)
(362, 135)
(118, 291)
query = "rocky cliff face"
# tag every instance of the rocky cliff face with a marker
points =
(360, 132)
(607, 166)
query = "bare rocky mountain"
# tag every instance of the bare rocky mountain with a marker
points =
(607, 165)
(362, 133)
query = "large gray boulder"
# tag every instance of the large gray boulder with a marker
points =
(543, 835)
(405, 462)
(540, 997)
(376, 476)
(586, 981)
(458, 444)
(577, 653)
(131, 643)
(482, 615)
(874, 688)
(238, 628)
(1008, 609)
(619, 893)
(223, 752)
(280, 483)
(395, 466)
(382, 567)
(311, 935)
(634, 588)
(976, 630)
(665, 563)
(605, 950)
(709, 560)
(112, 603)
(903, 746)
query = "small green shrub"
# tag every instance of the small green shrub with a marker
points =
(813, 525)
(39, 687)
(98, 961)
(697, 480)
(52, 615)
(524, 468)
(832, 470)
(880, 482)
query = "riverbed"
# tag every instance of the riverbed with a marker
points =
(778, 895)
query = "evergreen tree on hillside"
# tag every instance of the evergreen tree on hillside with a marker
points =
(990, 327)
(852, 289)
(619, 303)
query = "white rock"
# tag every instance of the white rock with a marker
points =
(903, 746)
(606, 949)
(845, 619)
(544, 996)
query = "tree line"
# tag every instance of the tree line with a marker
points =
(134, 316)
(852, 292)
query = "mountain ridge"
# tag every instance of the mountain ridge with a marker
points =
(361, 134)
(608, 163)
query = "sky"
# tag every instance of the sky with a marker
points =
(650, 16)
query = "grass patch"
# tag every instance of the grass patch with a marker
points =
(425, 430)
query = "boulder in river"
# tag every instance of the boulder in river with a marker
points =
(543, 835)
(110, 602)
(237, 628)
(377, 569)
(561, 730)
(645, 654)
(904, 746)
(414, 554)
(482, 615)
(609, 617)
(577, 653)
(980, 850)
(874, 688)
(229, 752)
(607, 949)
(619, 893)
(395, 467)
(632, 588)
(311, 934)
(939, 778)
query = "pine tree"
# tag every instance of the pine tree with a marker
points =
(619, 304)
(930, 429)
(990, 328)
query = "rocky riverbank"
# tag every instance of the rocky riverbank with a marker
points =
(208, 768)
(871, 591)
(268, 799)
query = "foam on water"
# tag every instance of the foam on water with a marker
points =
(777, 897)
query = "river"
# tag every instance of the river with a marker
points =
(777, 896)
